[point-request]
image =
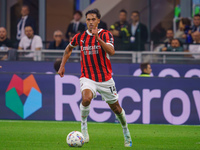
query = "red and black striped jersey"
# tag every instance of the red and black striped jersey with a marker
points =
(95, 62)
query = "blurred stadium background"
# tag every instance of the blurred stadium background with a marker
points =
(31, 90)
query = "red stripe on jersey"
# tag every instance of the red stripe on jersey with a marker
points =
(93, 52)
(105, 64)
(96, 63)
(89, 39)
(87, 59)
(86, 67)
(109, 37)
(84, 71)
(74, 41)
(101, 54)
(104, 53)
(99, 59)
(106, 61)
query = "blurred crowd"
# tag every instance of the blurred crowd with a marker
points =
(128, 36)
(185, 39)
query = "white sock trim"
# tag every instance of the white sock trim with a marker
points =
(84, 112)
(84, 107)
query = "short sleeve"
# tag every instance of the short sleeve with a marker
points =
(39, 42)
(74, 41)
(21, 43)
(108, 38)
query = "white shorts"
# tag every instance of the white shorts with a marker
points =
(106, 89)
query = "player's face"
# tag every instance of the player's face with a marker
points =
(92, 21)
(2, 33)
(29, 32)
(148, 70)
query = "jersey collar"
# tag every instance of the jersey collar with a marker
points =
(91, 33)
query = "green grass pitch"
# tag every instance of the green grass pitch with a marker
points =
(39, 135)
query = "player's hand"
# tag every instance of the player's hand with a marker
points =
(61, 71)
(95, 33)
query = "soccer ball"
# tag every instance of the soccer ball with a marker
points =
(75, 139)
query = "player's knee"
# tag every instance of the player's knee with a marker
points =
(86, 101)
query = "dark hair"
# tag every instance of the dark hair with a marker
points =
(93, 11)
(197, 15)
(169, 29)
(144, 66)
(57, 64)
(78, 12)
(137, 12)
(28, 26)
(186, 21)
(25, 5)
(181, 44)
(123, 10)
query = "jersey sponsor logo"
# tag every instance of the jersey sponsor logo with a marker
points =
(90, 50)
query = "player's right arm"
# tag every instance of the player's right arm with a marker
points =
(66, 55)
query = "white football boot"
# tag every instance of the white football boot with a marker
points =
(85, 132)
(127, 138)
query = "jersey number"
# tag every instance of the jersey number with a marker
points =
(112, 89)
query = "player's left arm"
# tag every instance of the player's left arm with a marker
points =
(107, 47)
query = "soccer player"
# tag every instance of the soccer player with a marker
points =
(96, 46)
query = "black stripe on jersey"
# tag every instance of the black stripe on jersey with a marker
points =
(110, 37)
(104, 37)
(99, 64)
(92, 60)
(101, 35)
(74, 40)
(104, 55)
(79, 38)
(86, 61)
